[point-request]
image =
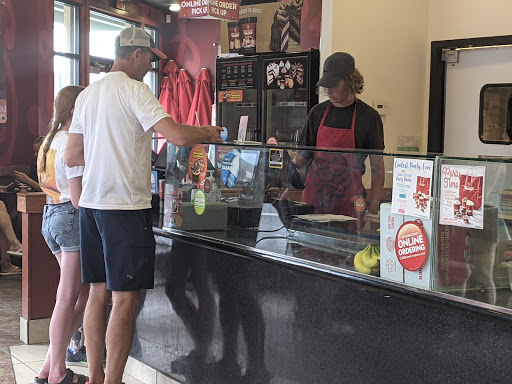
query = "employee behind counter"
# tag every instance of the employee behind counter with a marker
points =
(334, 181)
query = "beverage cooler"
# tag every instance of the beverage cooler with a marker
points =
(238, 95)
(274, 90)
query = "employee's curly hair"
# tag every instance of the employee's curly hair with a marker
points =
(354, 83)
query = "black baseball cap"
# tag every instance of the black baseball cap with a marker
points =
(336, 67)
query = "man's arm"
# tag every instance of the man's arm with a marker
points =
(75, 150)
(187, 135)
(377, 182)
(75, 190)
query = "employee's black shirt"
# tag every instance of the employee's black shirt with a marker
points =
(368, 131)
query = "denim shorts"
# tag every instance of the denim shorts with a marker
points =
(118, 247)
(61, 227)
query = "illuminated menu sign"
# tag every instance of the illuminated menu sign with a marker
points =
(209, 9)
(238, 75)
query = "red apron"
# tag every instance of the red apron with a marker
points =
(334, 180)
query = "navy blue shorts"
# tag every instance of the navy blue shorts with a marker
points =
(117, 247)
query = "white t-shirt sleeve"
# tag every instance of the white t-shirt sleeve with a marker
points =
(74, 172)
(75, 122)
(70, 172)
(147, 109)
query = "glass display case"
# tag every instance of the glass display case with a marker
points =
(441, 224)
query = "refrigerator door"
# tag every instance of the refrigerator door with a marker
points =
(238, 96)
(288, 94)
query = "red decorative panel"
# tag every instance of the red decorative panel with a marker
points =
(26, 76)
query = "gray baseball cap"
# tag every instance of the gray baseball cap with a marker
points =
(336, 67)
(137, 37)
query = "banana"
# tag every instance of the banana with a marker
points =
(369, 257)
(358, 263)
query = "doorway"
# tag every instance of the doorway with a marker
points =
(443, 75)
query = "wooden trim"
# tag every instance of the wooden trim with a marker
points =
(31, 202)
(98, 6)
(85, 24)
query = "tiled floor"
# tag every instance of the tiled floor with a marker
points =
(19, 363)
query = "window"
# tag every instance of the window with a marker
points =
(102, 36)
(151, 78)
(104, 30)
(496, 114)
(66, 60)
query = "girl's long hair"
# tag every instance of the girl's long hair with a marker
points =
(63, 105)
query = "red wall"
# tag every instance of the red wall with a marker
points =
(190, 45)
(26, 68)
(26, 72)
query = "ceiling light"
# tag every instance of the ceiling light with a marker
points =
(174, 7)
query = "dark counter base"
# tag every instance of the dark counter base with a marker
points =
(287, 324)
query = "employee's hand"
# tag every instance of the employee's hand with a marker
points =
(213, 133)
(21, 177)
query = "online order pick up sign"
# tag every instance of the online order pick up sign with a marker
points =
(411, 246)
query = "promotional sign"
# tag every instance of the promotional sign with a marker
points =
(229, 169)
(286, 74)
(275, 158)
(3, 111)
(173, 212)
(411, 246)
(224, 134)
(242, 128)
(286, 26)
(197, 164)
(231, 96)
(462, 194)
(453, 269)
(209, 9)
(412, 187)
(390, 268)
(199, 202)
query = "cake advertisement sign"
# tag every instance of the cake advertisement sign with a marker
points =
(286, 73)
(285, 26)
(462, 196)
(412, 187)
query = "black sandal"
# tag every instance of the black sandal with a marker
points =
(81, 379)
(38, 380)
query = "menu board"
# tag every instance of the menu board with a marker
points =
(238, 74)
(282, 73)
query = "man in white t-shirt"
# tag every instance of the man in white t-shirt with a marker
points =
(110, 134)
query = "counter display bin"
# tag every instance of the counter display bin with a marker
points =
(346, 211)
